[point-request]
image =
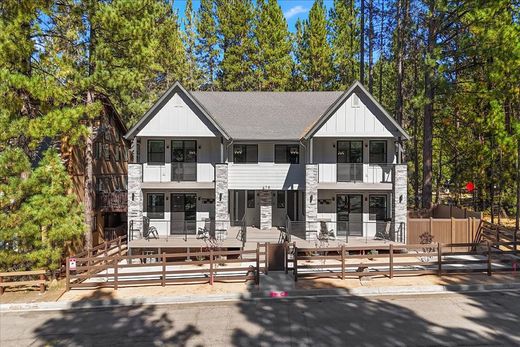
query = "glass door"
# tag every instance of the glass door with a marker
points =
(184, 160)
(349, 214)
(183, 213)
(349, 161)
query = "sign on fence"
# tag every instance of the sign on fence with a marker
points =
(72, 264)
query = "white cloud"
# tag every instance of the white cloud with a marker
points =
(296, 10)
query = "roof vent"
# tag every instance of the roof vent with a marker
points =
(355, 100)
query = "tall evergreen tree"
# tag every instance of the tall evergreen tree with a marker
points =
(189, 38)
(344, 32)
(273, 47)
(207, 42)
(235, 29)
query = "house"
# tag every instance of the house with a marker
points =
(109, 173)
(296, 161)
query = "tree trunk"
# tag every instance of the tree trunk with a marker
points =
(88, 201)
(517, 222)
(429, 94)
(399, 62)
(382, 49)
(370, 46)
(362, 45)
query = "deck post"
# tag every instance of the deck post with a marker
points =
(266, 260)
(2, 288)
(42, 284)
(116, 265)
(295, 264)
(257, 274)
(489, 258)
(286, 255)
(211, 267)
(163, 279)
(67, 275)
(119, 245)
(439, 258)
(342, 262)
(391, 260)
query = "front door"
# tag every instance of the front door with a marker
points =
(292, 204)
(239, 204)
(183, 213)
(349, 214)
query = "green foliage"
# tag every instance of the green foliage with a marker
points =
(39, 218)
(206, 47)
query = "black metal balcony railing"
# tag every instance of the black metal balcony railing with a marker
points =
(184, 172)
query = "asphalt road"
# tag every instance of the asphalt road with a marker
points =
(484, 319)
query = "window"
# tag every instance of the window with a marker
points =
(250, 199)
(245, 154)
(156, 151)
(287, 154)
(378, 207)
(184, 151)
(155, 206)
(377, 152)
(280, 199)
(350, 152)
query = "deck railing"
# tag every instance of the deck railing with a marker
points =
(201, 228)
(184, 172)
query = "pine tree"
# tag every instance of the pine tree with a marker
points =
(189, 38)
(344, 32)
(235, 29)
(273, 47)
(316, 51)
(207, 42)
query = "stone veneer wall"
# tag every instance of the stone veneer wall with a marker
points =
(400, 198)
(135, 198)
(266, 209)
(311, 200)
(221, 199)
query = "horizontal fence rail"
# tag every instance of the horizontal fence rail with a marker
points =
(23, 279)
(396, 260)
(163, 268)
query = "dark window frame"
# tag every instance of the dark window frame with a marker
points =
(245, 149)
(288, 156)
(250, 202)
(184, 150)
(385, 152)
(374, 212)
(280, 203)
(349, 153)
(148, 152)
(154, 214)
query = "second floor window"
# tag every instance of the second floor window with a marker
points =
(289, 154)
(245, 154)
(377, 152)
(156, 151)
(350, 152)
(184, 151)
(155, 206)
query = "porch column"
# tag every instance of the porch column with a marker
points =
(311, 200)
(399, 201)
(266, 209)
(221, 200)
(135, 199)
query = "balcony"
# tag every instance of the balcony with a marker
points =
(266, 176)
(178, 172)
(355, 173)
(112, 201)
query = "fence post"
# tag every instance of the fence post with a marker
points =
(431, 225)
(1, 288)
(391, 260)
(116, 265)
(295, 264)
(211, 267)
(266, 260)
(439, 258)
(67, 275)
(42, 285)
(342, 262)
(489, 259)
(257, 273)
(106, 249)
(89, 255)
(119, 245)
(286, 255)
(451, 232)
(163, 279)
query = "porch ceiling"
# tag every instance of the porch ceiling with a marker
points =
(178, 185)
(355, 186)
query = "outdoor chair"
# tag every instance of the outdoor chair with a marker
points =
(149, 231)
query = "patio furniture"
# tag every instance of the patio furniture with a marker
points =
(149, 231)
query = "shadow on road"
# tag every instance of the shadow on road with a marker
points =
(138, 324)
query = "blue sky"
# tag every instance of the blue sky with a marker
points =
(292, 9)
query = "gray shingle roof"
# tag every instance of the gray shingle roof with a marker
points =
(266, 115)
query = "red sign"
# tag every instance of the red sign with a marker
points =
(470, 187)
(277, 294)
(72, 263)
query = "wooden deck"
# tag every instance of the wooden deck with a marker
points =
(254, 235)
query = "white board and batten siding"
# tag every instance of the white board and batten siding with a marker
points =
(176, 119)
(268, 176)
(353, 119)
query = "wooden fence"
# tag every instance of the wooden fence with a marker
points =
(445, 230)
(40, 282)
(396, 260)
(106, 248)
(163, 269)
